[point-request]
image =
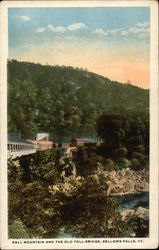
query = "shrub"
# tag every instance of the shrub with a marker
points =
(141, 158)
(42, 166)
(137, 226)
(109, 165)
(140, 148)
(31, 202)
(90, 212)
(14, 170)
(85, 161)
(121, 152)
(124, 163)
(18, 230)
(138, 155)
(135, 164)
(99, 158)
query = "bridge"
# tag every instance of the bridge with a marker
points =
(18, 147)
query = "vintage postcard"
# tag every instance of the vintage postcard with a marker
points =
(79, 124)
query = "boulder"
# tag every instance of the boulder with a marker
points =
(142, 213)
(127, 212)
(127, 181)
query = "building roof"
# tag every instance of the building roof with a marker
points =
(14, 138)
(85, 139)
(42, 142)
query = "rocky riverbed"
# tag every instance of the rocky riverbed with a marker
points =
(119, 182)
(127, 181)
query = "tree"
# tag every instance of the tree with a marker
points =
(85, 160)
(123, 134)
(89, 212)
(65, 101)
(17, 230)
(112, 128)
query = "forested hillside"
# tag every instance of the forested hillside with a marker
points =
(68, 191)
(65, 101)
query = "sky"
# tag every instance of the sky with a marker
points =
(110, 41)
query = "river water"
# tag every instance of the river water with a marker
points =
(133, 201)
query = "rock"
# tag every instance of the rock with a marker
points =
(142, 213)
(133, 234)
(79, 178)
(129, 186)
(128, 212)
(126, 181)
(128, 172)
(123, 172)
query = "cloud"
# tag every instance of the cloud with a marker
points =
(76, 26)
(140, 31)
(100, 32)
(145, 24)
(114, 31)
(137, 30)
(76, 38)
(58, 29)
(25, 18)
(40, 30)
(124, 33)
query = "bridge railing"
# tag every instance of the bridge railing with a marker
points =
(16, 149)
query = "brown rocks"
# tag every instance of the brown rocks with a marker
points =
(127, 181)
(141, 212)
(128, 212)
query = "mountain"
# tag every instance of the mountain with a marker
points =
(65, 101)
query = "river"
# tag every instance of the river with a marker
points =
(133, 201)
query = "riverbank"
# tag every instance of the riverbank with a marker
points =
(127, 181)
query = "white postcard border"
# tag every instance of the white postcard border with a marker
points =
(126, 243)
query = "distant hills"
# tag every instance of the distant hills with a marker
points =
(65, 101)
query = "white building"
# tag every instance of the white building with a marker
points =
(42, 137)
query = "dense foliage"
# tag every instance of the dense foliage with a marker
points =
(126, 137)
(44, 206)
(42, 167)
(65, 101)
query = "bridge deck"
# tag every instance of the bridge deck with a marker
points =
(14, 155)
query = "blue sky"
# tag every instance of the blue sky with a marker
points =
(35, 33)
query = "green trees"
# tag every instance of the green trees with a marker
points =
(32, 207)
(122, 132)
(21, 108)
(112, 128)
(126, 138)
(36, 207)
(85, 160)
(42, 208)
(64, 101)
(17, 230)
(89, 212)
(42, 205)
